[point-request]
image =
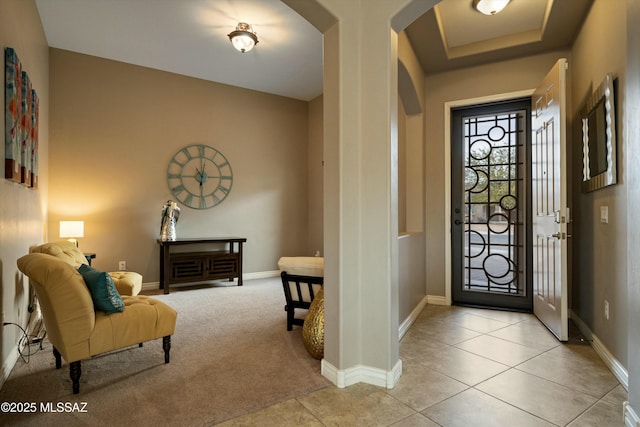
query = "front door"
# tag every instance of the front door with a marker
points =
(550, 211)
(490, 154)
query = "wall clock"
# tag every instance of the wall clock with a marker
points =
(199, 176)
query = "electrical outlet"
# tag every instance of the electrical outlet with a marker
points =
(606, 309)
(122, 265)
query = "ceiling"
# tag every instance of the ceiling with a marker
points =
(189, 37)
(454, 35)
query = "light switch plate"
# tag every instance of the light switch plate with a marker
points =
(604, 214)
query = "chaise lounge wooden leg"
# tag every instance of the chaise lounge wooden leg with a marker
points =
(58, 357)
(166, 346)
(75, 371)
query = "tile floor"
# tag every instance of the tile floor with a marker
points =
(470, 367)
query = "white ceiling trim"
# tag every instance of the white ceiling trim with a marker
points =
(529, 23)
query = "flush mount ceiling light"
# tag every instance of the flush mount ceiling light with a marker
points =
(490, 7)
(243, 38)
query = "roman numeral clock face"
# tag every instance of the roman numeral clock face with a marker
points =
(199, 176)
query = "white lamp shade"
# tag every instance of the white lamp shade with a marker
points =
(71, 229)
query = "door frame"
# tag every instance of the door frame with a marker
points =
(448, 106)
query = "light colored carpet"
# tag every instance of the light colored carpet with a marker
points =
(231, 354)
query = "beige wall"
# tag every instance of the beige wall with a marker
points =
(22, 211)
(411, 240)
(402, 168)
(411, 118)
(599, 256)
(315, 177)
(114, 128)
(631, 119)
(482, 81)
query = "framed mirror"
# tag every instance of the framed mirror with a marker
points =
(599, 138)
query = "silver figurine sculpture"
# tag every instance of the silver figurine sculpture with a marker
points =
(170, 215)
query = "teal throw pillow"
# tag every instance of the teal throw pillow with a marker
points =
(103, 291)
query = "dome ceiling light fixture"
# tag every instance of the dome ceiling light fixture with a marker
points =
(490, 7)
(243, 38)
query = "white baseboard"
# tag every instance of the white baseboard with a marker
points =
(35, 329)
(404, 327)
(261, 275)
(151, 286)
(631, 419)
(581, 325)
(362, 374)
(436, 300)
(612, 363)
(8, 364)
(154, 286)
(375, 376)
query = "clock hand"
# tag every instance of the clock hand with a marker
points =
(202, 175)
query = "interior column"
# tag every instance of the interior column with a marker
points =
(360, 184)
(361, 317)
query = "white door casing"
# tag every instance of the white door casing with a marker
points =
(550, 211)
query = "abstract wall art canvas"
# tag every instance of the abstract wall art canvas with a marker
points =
(12, 115)
(25, 131)
(33, 140)
(21, 124)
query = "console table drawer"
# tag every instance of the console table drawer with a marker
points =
(196, 266)
(224, 265)
(186, 269)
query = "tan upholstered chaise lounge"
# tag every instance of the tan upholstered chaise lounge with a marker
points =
(76, 330)
(127, 282)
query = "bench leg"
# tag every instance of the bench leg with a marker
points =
(290, 314)
(166, 346)
(75, 371)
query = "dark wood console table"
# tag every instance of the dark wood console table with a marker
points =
(202, 265)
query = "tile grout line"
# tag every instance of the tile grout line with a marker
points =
(509, 368)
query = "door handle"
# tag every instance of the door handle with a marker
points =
(557, 235)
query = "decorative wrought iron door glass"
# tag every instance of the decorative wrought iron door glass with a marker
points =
(494, 204)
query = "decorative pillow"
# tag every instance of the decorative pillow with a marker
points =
(103, 291)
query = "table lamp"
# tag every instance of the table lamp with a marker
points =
(71, 230)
